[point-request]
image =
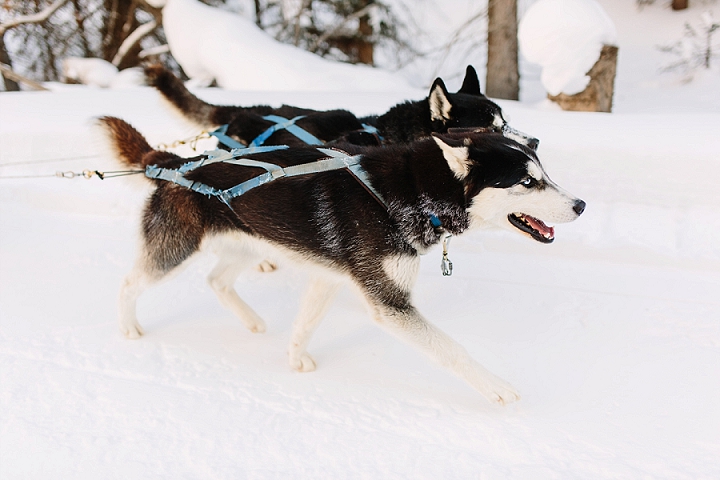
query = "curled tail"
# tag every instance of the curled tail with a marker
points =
(129, 146)
(188, 105)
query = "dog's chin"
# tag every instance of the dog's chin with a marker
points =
(534, 227)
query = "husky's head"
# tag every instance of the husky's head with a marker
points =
(469, 110)
(506, 186)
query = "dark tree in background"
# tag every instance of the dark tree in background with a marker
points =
(679, 4)
(79, 28)
(122, 17)
(502, 59)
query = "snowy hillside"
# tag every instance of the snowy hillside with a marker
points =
(611, 334)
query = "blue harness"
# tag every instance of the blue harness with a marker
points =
(281, 123)
(335, 160)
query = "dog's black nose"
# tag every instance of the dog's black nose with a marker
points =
(533, 143)
(579, 206)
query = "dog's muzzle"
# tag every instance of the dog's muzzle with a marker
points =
(520, 137)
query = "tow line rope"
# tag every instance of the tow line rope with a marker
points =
(87, 174)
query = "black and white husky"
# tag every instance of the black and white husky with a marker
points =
(440, 112)
(333, 225)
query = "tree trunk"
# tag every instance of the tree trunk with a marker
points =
(365, 47)
(258, 14)
(10, 85)
(598, 95)
(679, 4)
(120, 23)
(502, 79)
(80, 22)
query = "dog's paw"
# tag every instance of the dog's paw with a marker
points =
(132, 331)
(257, 327)
(266, 266)
(303, 363)
(499, 391)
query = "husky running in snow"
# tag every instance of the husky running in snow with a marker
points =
(369, 235)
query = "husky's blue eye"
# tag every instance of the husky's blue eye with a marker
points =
(528, 182)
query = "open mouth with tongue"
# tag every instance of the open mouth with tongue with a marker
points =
(533, 227)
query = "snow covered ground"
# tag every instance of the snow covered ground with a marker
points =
(611, 334)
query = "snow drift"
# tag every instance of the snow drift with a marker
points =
(213, 44)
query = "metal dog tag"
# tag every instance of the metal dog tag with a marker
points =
(446, 265)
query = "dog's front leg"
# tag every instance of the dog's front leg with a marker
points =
(407, 324)
(315, 304)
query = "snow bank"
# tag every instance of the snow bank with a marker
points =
(210, 43)
(565, 37)
(96, 72)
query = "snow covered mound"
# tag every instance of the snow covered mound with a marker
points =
(210, 43)
(94, 72)
(565, 38)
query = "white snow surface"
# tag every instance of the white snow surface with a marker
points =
(213, 44)
(565, 38)
(611, 333)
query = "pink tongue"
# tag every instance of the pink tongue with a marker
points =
(540, 226)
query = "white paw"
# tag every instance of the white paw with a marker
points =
(132, 331)
(266, 266)
(304, 363)
(499, 391)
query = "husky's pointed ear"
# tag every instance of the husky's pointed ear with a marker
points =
(455, 153)
(471, 84)
(439, 101)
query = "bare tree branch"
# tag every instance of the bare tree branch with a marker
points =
(149, 52)
(34, 18)
(9, 73)
(132, 40)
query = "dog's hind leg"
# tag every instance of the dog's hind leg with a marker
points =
(133, 285)
(222, 280)
(172, 231)
(315, 304)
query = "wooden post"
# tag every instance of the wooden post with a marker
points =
(503, 78)
(679, 4)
